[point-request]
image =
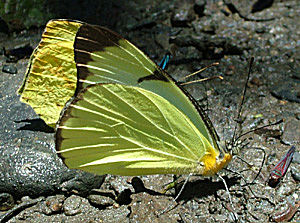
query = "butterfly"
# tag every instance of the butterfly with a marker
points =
(117, 112)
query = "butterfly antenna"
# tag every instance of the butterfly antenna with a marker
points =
(201, 80)
(243, 100)
(261, 127)
(207, 111)
(197, 72)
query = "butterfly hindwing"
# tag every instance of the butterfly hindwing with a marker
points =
(127, 130)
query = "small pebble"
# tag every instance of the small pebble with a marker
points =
(286, 89)
(100, 201)
(11, 69)
(53, 204)
(72, 205)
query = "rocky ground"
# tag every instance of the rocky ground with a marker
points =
(36, 187)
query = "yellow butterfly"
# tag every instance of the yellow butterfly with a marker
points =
(128, 116)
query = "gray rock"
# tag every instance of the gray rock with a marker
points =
(35, 171)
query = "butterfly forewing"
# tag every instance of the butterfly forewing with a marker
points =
(51, 75)
(103, 56)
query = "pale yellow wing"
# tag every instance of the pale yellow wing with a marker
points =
(51, 76)
(125, 130)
